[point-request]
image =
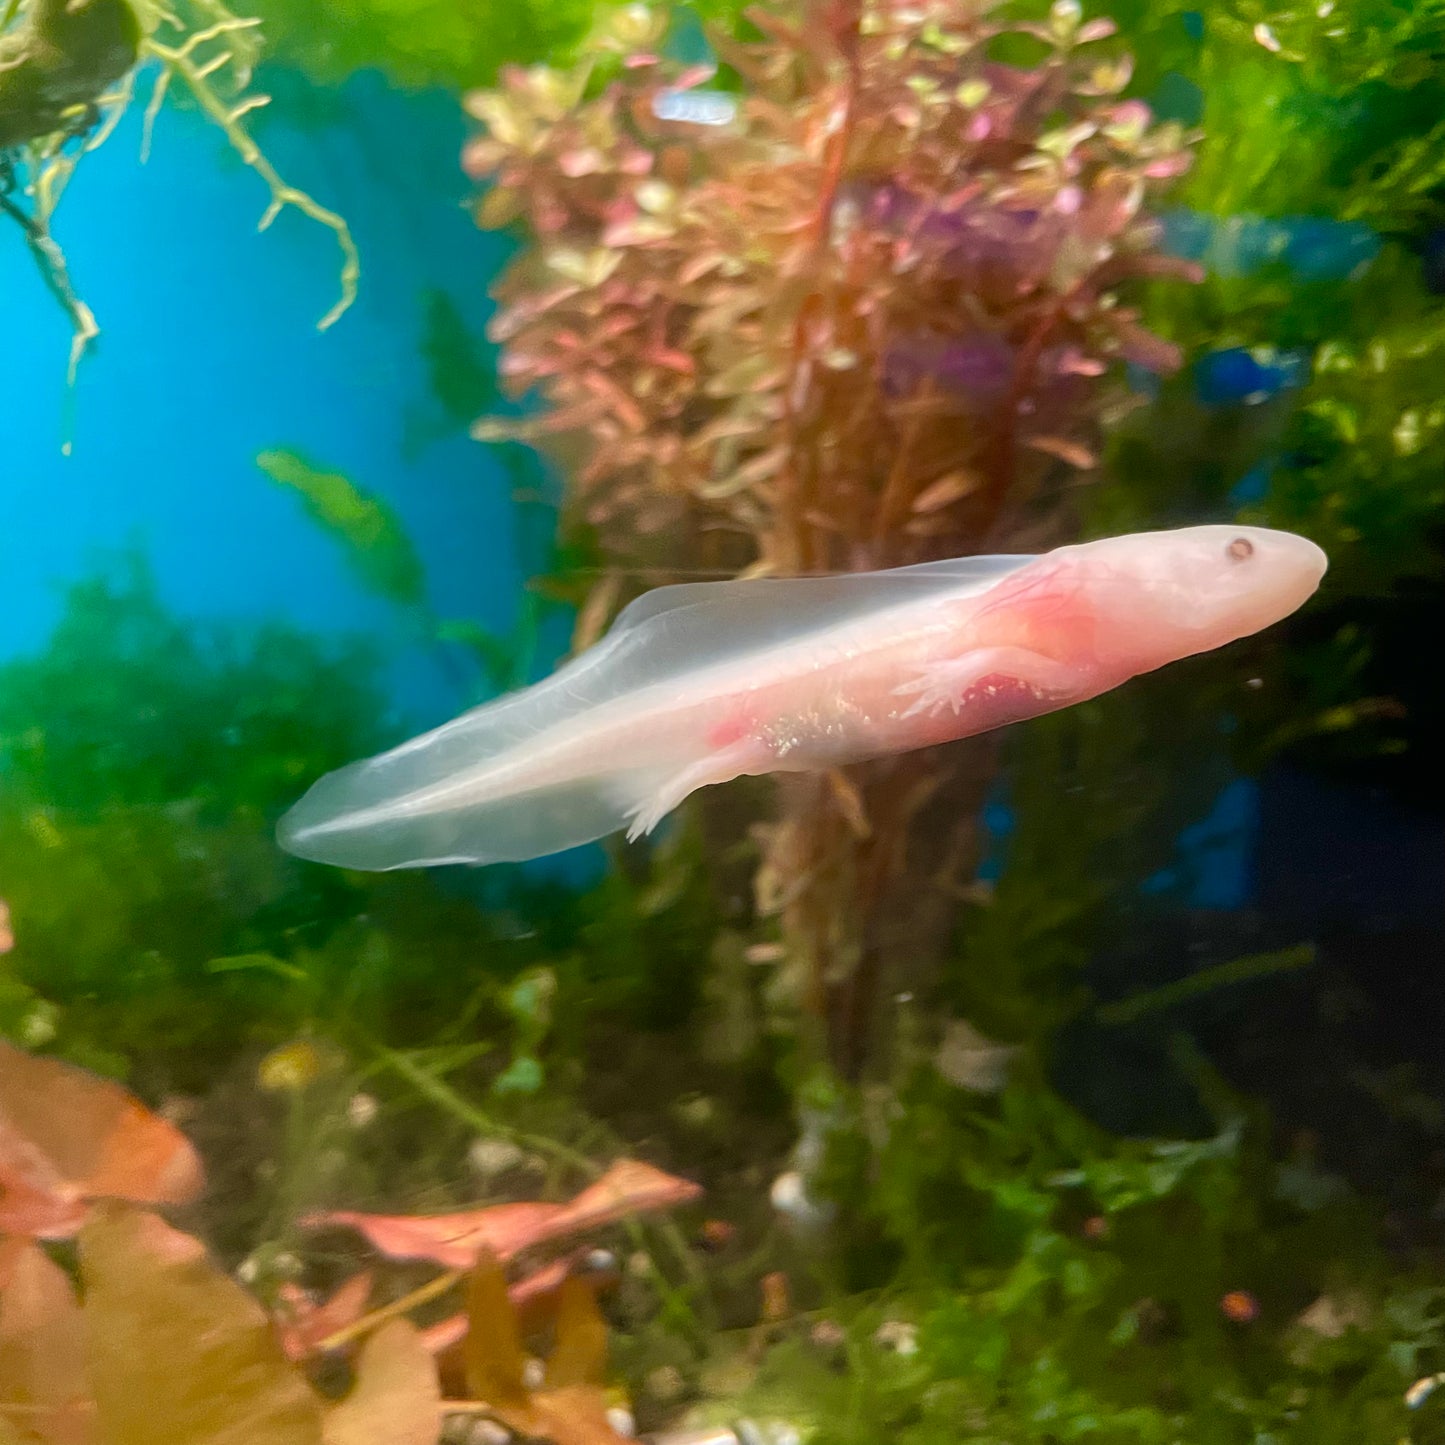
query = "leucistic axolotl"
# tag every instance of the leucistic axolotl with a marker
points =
(704, 682)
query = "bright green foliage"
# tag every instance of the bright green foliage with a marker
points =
(1329, 112)
(143, 762)
(377, 546)
(1065, 1285)
(129, 706)
(457, 43)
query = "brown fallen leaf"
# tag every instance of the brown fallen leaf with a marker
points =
(570, 1408)
(179, 1353)
(42, 1349)
(67, 1136)
(457, 1240)
(531, 1297)
(396, 1399)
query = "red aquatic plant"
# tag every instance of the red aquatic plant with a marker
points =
(161, 1344)
(867, 311)
(457, 1240)
(68, 1138)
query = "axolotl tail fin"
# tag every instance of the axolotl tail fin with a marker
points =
(348, 821)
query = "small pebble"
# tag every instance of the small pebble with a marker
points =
(666, 1384)
(361, 1110)
(897, 1335)
(491, 1157)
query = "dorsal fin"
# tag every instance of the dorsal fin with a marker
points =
(835, 594)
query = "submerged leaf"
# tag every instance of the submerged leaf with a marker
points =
(42, 1348)
(377, 545)
(179, 1353)
(580, 1354)
(396, 1398)
(67, 1136)
(457, 1240)
(493, 1348)
(572, 1408)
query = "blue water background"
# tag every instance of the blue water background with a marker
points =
(210, 355)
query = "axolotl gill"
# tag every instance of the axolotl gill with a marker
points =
(701, 683)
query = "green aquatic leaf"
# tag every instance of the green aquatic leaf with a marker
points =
(376, 543)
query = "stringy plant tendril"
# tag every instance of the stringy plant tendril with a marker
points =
(180, 60)
(34, 175)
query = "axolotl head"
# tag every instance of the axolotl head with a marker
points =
(1158, 596)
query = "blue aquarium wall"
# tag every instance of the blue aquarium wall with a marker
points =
(209, 355)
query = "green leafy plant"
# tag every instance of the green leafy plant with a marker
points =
(440, 42)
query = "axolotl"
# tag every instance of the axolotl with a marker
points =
(700, 683)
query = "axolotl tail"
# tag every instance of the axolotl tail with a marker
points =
(353, 819)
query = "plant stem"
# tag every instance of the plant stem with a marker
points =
(423, 1294)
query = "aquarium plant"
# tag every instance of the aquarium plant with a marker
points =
(863, 307)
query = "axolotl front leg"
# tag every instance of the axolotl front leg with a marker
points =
(744, 755)
(979, 677)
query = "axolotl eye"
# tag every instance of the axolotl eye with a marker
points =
(1240, 550)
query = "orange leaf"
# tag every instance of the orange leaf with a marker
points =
(457, 1240)
(35, 1214)
(534, 1297)
(580, 1355)
(307, 1324)
(42, 1348)
(572, 1415)
(178, 1351)
(66, 1136)
(396, 1396)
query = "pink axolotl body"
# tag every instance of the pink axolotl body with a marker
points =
(703, 683)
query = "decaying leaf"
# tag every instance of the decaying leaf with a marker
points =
(456, 1240)
(571, 1406)
(971, 1061)
(396, 1398)
(67, 1136)
(534, 1298)
(179, 1353)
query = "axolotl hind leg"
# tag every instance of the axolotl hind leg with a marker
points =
(722, 765)
(953, 682)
